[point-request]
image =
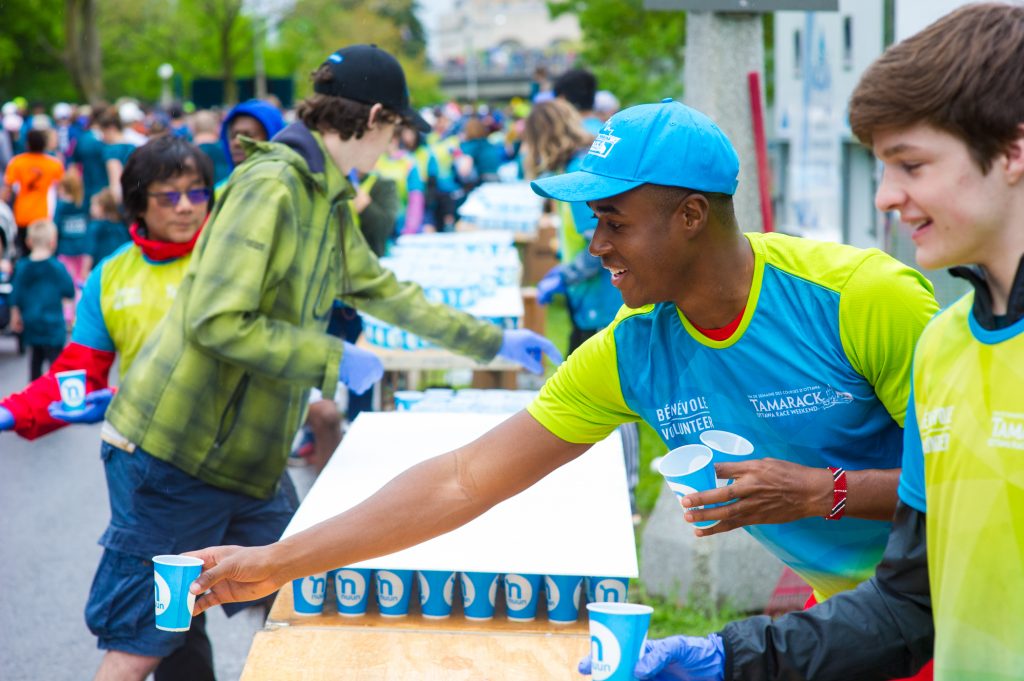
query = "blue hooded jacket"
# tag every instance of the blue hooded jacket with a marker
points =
(266, 114)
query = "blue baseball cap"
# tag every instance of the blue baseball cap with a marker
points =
(666, 143)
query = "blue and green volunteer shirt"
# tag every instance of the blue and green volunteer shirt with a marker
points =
(963, 465)
(124, 299)
(817, 373)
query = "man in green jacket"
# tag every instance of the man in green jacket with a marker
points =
(202, 425)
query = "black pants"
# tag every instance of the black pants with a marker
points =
(40, 354)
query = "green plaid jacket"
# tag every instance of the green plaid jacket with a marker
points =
(221, 386)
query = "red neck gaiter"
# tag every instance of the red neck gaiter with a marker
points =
(162, 251)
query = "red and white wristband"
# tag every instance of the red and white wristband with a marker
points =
(838, 493)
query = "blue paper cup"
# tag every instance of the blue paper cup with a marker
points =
(563, 592)
(72, 389)
(436, 588)
(617, 635)
(522, 592)
(607, 589)
(352, 591)
(689, 469)
(172, 577)
(726, 447)
(393, 590)
(479, 591)
(309, 593)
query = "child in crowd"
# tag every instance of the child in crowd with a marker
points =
(33, 174)
(41, 284)
(107, 231)
(72, 220)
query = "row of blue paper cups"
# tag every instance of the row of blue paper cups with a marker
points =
(436, 593)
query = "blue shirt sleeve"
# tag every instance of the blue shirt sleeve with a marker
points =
(911, 489)
(90, 327)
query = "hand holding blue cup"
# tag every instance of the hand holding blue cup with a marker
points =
(726, 447)
(690, 469)
(72, 389)
(172, 578)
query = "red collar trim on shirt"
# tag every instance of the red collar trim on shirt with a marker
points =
(162, 251)
(724, 332)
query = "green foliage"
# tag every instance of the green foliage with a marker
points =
(315, 28)
(635, 53)
(31, 39)
(191, 35)
(670, 619)
(139, 35)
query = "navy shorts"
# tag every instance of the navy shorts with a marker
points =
(157, 508)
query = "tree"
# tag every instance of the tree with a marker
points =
(82, 56)
(635, 53)
(30, 56)
(315, 28)
(233, 37)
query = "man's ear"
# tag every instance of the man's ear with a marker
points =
(692, 213)
(1015, 157)
(374, 118)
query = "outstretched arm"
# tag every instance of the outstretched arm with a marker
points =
(428, 500)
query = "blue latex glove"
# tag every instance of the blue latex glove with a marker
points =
(551, 283)
(6, 419)
(678, 658)
(359, 369)
(96, 404)
(526, 347)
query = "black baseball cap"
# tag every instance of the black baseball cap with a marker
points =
(368, 74)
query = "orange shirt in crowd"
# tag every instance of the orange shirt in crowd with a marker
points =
(34, 174)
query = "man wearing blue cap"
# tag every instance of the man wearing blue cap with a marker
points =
(803, 348)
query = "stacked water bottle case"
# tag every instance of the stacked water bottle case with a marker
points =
(476, 272)
(392, 592)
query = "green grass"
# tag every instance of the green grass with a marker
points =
(669, 618)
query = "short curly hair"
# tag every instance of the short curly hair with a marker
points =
(346, 117)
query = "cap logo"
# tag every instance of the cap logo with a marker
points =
(603, 143)
(336, 58)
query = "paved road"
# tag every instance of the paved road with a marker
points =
(53, 508)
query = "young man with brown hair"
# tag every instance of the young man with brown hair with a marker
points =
(943, 112)
(215, 395)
